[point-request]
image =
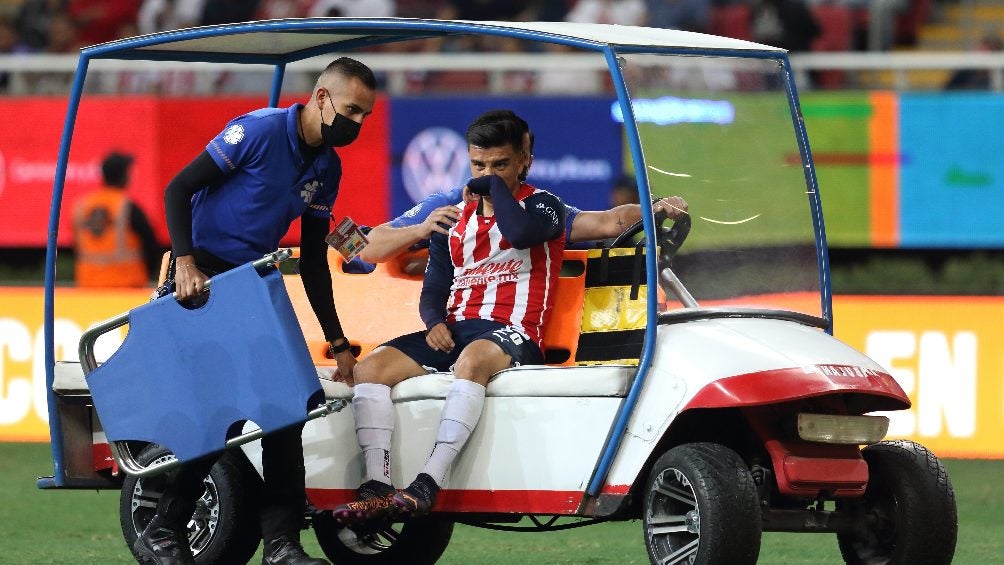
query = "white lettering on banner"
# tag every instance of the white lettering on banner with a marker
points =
(885, 347)
(43, 171)
(944, 380)
(15, 390)
(19, 394)
(947, 385)
(571, 169)
(66, 336)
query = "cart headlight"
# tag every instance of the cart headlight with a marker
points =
(831, 428)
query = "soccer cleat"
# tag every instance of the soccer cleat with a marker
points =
(419, 498)
(158, 545)
(374, 501)
(284, 550)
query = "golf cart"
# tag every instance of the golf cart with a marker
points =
(691, 379)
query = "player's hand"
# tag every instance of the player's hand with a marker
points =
(468, 195)
(440, 220)
(346, 363)
(439, 338)
(189, 281)
(674, 207)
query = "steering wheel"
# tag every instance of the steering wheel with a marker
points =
(669, 239)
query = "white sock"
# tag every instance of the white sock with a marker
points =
(461, 413)
(374, 414)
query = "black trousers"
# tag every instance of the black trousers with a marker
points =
(282, 500)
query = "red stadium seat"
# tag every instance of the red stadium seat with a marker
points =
(836, 24)
(732, 21)
(837, 27)
(908, 21)
(456, 81)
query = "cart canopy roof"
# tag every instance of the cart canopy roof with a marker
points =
(283, 41)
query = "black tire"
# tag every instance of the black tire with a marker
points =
(701, 508)
(225, 528)
(908, 509)
(418, 541)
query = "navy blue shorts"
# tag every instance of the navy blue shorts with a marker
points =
(522, 349)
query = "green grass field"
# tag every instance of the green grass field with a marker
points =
(75, 527)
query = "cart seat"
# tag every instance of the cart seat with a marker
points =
(530, 381)
(68, 379)
(527, 381)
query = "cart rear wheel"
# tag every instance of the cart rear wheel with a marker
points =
(701, 508)
(910, 506)
(418, 541)
(224, 528)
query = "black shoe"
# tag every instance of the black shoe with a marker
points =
(419, 498)
(287, 551)
(375, 500)
(158, 545)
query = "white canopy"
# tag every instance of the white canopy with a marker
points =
(278, 41)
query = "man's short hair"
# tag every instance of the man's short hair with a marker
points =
(350, 68)
(115, 169)
(497, 128)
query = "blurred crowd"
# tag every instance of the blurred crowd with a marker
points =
(64, 26)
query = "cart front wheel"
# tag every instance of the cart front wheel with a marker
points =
(908, 510)
(700, 508)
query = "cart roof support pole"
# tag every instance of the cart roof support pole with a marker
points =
(645, 362)
(76, 92)
(277, 76)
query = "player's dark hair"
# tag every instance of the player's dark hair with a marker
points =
(497, 128)
(351, 68)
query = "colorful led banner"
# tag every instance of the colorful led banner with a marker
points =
(909, 170)
(945, 352)
(163, 135)
(951, 177)
(894, 170)
(577, 154)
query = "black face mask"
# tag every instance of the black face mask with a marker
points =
(340, 132)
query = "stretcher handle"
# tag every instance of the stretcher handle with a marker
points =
(128, 463)
(85, 349)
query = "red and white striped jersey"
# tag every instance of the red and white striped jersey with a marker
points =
(492, 280)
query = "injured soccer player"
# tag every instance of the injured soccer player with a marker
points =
(486, 298)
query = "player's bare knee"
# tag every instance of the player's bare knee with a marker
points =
(386, 366)
(480, 360)
(364, 372)
(374, 368)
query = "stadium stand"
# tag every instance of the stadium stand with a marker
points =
(732, 20)
(836, 23)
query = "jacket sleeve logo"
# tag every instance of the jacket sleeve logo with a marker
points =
(234, 134)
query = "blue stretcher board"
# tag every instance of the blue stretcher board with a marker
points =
(187, 378)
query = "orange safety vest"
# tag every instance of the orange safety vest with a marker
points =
(109, 253)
